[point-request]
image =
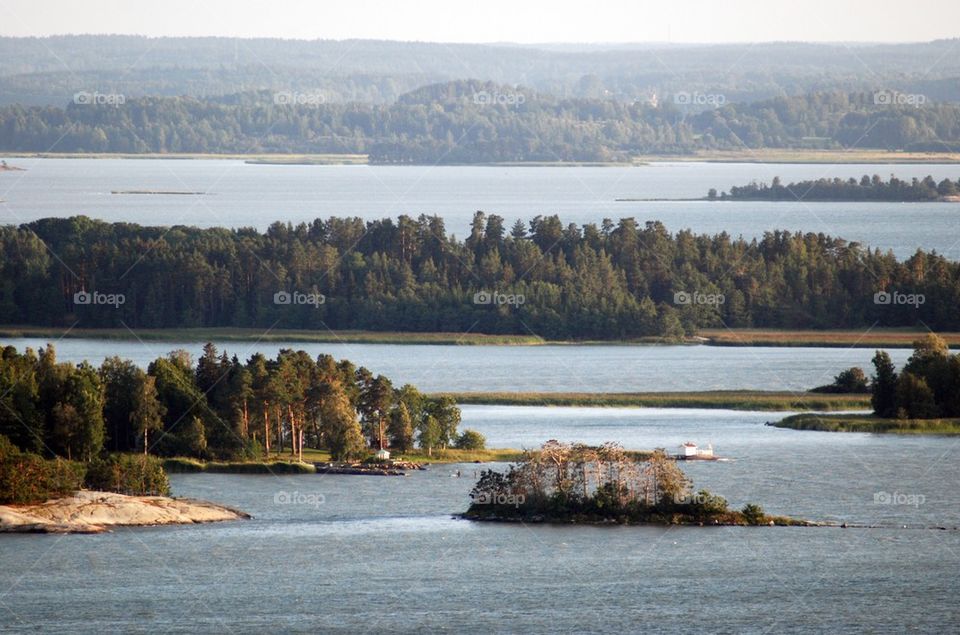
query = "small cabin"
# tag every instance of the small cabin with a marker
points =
(383, 455)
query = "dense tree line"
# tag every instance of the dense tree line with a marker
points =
(221, 408)
(474, 122)
(464, 122)
(613, 281)
(832, 120)
(866, 189)
(928, 386)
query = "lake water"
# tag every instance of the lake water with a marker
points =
(367, 554)
(613, 368)
(238, 194)
(370, 554)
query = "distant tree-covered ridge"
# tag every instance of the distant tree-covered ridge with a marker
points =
(613, 281)
(866, 189)
(378, 71)
(472, 122)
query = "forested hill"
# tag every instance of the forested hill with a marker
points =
(47, 71)
(472, 122)
(610, 281)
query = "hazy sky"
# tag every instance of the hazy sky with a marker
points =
(496, 20)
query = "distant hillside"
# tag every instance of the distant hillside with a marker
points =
(47, 71)
(472, 122)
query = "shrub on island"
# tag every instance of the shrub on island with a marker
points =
(29, 478)
(471, 440)
(577, 483)
(130, 474)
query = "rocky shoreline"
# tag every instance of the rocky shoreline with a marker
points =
(391, 468)
(91, 512)
(770, 521)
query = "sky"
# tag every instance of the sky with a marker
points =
(520, 21)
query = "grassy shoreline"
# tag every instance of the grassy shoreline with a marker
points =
(720, 399)
(786, 155)
(766, 155)
(838, 338)
(229, 334)
(285, 464)
(869, 423)
(877, 338)
(272, 159)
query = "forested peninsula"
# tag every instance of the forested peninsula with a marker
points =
(612, 281)
(66, 427)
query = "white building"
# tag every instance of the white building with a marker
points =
(690, 451)
(383, 455)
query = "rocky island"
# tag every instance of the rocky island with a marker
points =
(91, 512)
(580, 484)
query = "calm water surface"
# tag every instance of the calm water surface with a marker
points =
(384, 554)
(238, 195)
(535, 368)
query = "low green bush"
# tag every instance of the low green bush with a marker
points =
(471, 440)
(183, 465)
(29, 478)
(130, 474)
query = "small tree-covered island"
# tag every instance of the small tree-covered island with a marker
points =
(867, 189)
(576, 483)
(923, 398)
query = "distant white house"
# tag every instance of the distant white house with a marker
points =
(383, 455)
(690, 450)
